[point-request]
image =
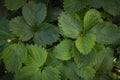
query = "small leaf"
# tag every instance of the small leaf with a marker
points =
(72, 6)
(13, 56)
(69, 26)
(34, 13)
(91, 19)
(50, 73)
(36, 56)
(28, 73)
(19, 27)
(85, 43)
(46, 35)
(106, 33)
(14, 4)
(63, 50)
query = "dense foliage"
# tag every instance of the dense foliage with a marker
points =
(59, 39)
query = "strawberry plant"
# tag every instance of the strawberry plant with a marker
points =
(59, 40)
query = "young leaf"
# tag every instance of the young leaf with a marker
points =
(28, 73)
(63, 50)
(91, 19)
(69, 26)
(19, 27)
(85, 43)
(72, 6)
(34, 13)
(106, 33)
(50, 73)
(46, 35)
(13, 56)
(36, 56)
(14, 4)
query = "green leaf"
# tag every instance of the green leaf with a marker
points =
(34, 13)
(72, 6)
(69, 26)
(91, 19)
(106, 33)
(70, 72)
(50, 73)
(28, 73)
(84, 60)
(19, 27)
(5, 34)
(36, 56)
(98, 47)
(112, 6)
(104, 60)
(51, 60)
(63, 50)
(14, 4)
(67, 71)
(107, 63)
(85, 43)
(46, 35)
(87, 73)
(13, 56)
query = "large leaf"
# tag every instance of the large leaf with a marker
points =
(28, 73)
(72, 6)
(14, 4)
(46, 35)
(85, 43)
(91, 19)
(34, 13)
(19, 27)
(69, 26)
(63, 50)
(50, 73)
(13, 56)
(112, 6)
(36, 56)
(106, 33)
